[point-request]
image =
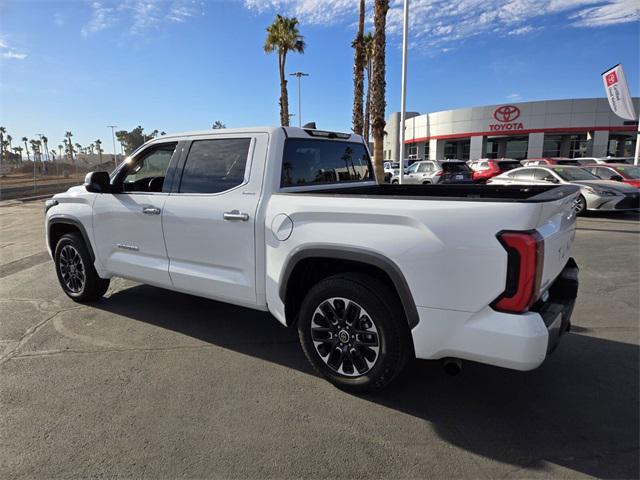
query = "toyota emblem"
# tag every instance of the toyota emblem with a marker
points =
(506, 113)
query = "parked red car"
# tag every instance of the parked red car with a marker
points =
(629, 174)
(531, 162)
(486, 168)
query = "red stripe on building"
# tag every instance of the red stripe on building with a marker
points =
(514, 133)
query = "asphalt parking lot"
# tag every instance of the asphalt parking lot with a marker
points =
(154, 384)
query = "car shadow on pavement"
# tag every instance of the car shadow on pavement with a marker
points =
(578, 410)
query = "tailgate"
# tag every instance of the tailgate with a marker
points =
(557, 224)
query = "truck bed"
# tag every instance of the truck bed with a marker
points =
(478, 192)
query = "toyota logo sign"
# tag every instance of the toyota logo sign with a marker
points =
(506, 113)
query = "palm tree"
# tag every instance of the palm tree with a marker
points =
(99, 149)
(283, 36)
(60, 147)
(163, 133)
(45, 141)
(78, 147)
(18, 151)
(26, 146)
(378, 85)
(358, 73)
(34, 149)
(52, 152)
(218, 125)
(68, 136)
(92, 147)
(3, 130)
(368, 53)
(10, 139)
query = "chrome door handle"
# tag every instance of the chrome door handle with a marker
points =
(151, 210)
(235, 215)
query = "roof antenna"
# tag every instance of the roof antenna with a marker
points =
(311, 125)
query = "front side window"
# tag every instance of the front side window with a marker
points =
(315, 162)
(146, 173)
(213, 166)
(524, 174)
(413, 168)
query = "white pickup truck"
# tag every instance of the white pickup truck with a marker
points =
(291, 221)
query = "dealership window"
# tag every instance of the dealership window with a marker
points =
(412, 152)
(551, 146)
(426, 150)
(621, 146)
(450, 150)
(578, 146)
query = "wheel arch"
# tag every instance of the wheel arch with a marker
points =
(58, 226)
(310, 265)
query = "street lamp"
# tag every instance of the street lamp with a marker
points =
(299, 75)
(113, 136)
(403, 93)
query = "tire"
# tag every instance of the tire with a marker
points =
(380, 321)
(581, 205)
(395, 182)
(76, 273)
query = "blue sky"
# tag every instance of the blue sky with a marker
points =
(179, 65)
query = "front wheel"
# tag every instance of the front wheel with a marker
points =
(76, 273)
(353, 332)
(580, 205)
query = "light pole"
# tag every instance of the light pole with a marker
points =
(403, 93)
(299, 75)
(113, 137)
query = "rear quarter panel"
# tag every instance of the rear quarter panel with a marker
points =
(447, 250)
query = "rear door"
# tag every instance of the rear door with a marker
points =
(209, 218)
(127, 225)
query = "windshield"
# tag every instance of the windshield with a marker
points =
(574, 173)
(630, 171)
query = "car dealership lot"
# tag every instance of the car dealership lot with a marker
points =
(151, 383)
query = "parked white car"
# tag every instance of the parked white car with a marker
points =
(604, 160)
(595, 193)
(291, 221)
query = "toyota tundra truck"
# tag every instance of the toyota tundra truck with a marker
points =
(292, 221)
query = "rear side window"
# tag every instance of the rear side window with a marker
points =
(314, 162)
(214, 166)
(505, 166)
(455, 167)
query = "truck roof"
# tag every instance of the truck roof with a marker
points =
(294, 132)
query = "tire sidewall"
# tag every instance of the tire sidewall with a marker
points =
(389, 336)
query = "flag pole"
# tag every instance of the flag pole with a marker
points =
(403, 93)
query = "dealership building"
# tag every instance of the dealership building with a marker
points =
(554, 128)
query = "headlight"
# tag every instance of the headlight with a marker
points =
(49, 203)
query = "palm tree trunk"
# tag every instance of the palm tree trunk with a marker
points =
(284, 97)
(367, 105)
(378, 85)
(358, 73)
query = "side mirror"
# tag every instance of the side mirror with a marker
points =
(97, 182)
(550, 179)
(616, 178)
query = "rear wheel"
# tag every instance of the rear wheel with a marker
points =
(353, 332)
(76, 273)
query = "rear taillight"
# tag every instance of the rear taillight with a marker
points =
(525, 257)
(439, 173)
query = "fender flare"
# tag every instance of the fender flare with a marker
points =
(368, 257)
(57, 219)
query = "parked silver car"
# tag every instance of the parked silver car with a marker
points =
(436, 171)
(595, 193)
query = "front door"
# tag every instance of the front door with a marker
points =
(128, 224)
(209, 219)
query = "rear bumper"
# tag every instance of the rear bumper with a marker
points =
(519, 342)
